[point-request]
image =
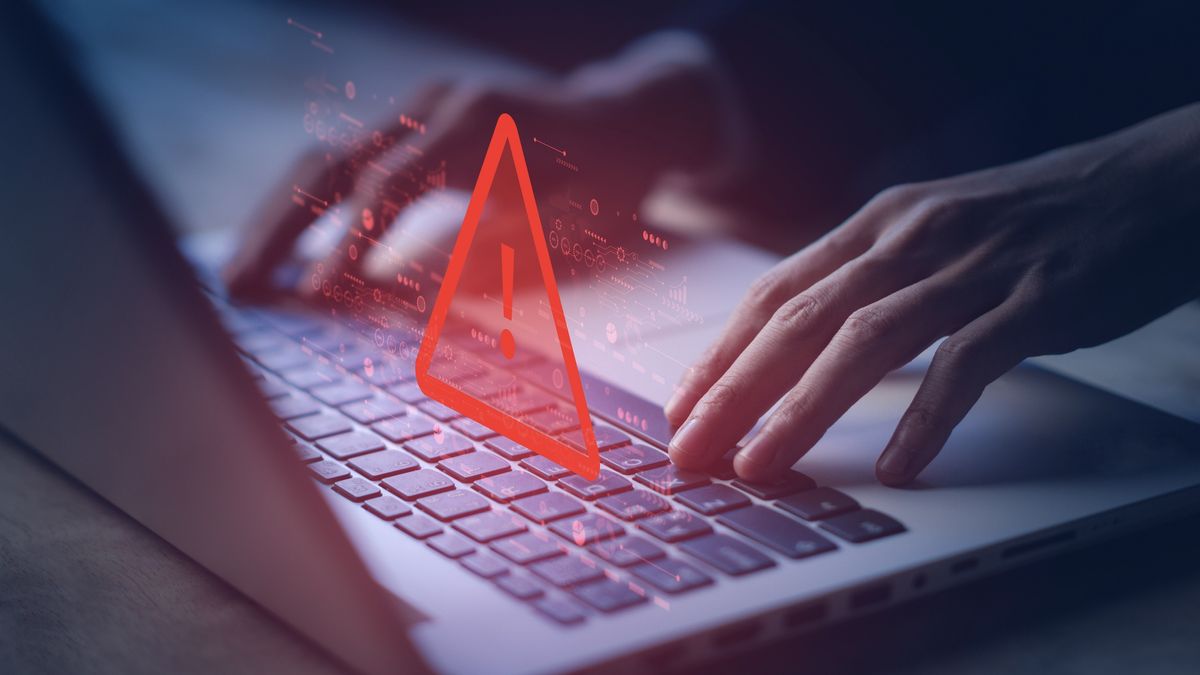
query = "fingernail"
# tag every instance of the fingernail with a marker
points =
(684, 440)
(752, 457)
(896, 462)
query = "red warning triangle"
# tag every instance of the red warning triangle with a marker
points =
(474, 324)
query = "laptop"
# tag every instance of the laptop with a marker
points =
(402, 537)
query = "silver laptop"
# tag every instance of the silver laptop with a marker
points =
(254, 440)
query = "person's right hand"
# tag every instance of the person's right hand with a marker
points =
(659, 95)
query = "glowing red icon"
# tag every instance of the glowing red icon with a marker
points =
(511, 212)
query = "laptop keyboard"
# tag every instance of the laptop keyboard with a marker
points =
(568, 547)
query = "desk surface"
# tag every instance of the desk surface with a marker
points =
(83, 587)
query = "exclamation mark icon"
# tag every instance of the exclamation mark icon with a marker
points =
(508, 344)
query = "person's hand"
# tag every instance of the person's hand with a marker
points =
(1065, 250)
(652, 109)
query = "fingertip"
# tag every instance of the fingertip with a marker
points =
(892, 479)
(896, 467)
(749, 467)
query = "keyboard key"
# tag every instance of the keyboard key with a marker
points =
(401, 429)
(509, 449)
(713, 499)
(772, 528)
(328, 471)
(437, 447)
(587, 529)
(418, 526)
(727, 554)
(671, 575)
(547, 507)
(608, 483)
(485, 565)
(608, 595)
(527, 548)
(523, 402)
(634, 458)
(273, 388)
(520, 587)
(473, 466)
(384, 372)
(818, 503)
(791, 483)
(607, 438)
(489, 526)
(627, 551)
(293, 406)
(387, 507)
(356, 489)
(451, 545)
(408, 392)
(472, 429)
(455, 504)
(288, 356)
(675, 526)
(544, 468)
(722, 468)
(306, 453)
(634, 505)
(378, 407)
(561, 610)
(438, 411)
(341, 393)
(552, 421)
(509, 486)
(417, 484)
(670, 479)
(320, 425)
(352, 444)
(862, 525)
(380, 465)
(311, 375)
(567, 571)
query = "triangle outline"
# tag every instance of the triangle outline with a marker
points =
(588, 466)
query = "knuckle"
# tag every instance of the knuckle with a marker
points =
(865, 326)
(898, 196)
(767, 292)
(955, 351)
(721, 394)
(921, 419)
(797, 314)
(797, 407)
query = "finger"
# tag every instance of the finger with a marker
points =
(286, 212)
(795, 274)
(779, 355)
(871, 343)
(963, 366)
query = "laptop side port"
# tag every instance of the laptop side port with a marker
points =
(737, 634)
(871, 596)
(805, 615)
(963, 566)
(1034, 545)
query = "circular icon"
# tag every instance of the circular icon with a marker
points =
(594, 207)
(350, 90)
(610, 332)
(368, 220)
(508, 344)
(353, 251)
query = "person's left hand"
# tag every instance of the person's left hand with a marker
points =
(1065, 250)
